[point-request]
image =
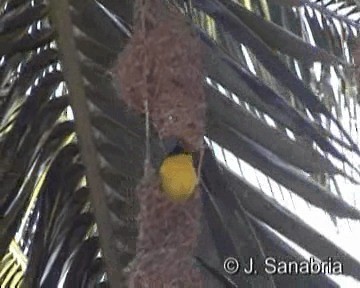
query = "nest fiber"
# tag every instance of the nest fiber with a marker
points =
(163, 65)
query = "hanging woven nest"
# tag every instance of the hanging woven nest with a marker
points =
(160, 73)
(168, 235)
(163, 64)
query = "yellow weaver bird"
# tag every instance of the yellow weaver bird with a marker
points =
(178, 175)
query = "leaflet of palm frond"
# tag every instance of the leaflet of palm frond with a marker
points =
(284, 173)
(43, 90)
(46, 204)
(322, 37)
(240, 120)
(30, 139)
(26, 234)
(291, 3)
(21, 40)
(281, 251)
(73, 205)
(94, 274)
(46, 147)
(291, 118)
(264, 208)
(266, 99)
(223, 74)
(224, 244)
(94, 70)
(5, 260)
(104, 31)
(56, 248)
(289, 115)
(122, 9)
(22, 16)
(217, 199)
(33, 66)
(115, 179)
(123, 22)
(274, 140)
(70, 175)
(303, 126)
(118, 160)
(90, 48)
(57, 136)
(10, 271)
(118, 21)
(30, 142)
(29, 108)
(275, 36)
(331, 14)
(126, 203)
(107, 108)
(217, 274)
(133, 140)
(71, 239)
(348, 10)
(355, 48)
(11, 5)
(7, 86)
(79, 263)
(13, 211)
(56, 235)
(335, 36)
(270, 61)
(29, 72)
(42, 123)
(7, 67)
(74, 174)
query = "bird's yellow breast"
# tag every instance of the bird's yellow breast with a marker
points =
(178, 177)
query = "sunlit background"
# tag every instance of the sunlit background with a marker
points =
(342, 232)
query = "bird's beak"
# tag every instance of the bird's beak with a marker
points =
(170, 143)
